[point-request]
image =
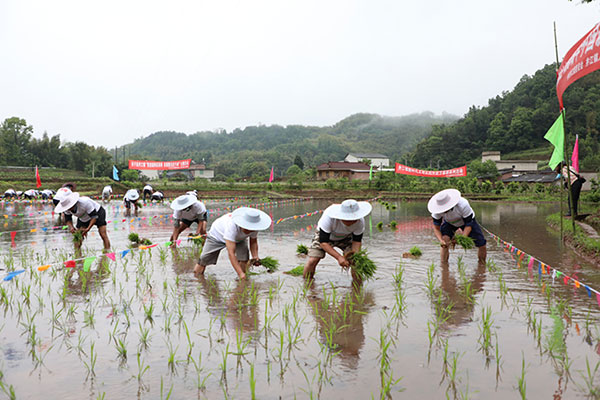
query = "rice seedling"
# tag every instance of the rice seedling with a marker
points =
(270, 263)
(161, 390)
(379, 225)
(464, 241)
(415, 251)
(93, 357)
(592, 389)
(144, 336)
(301, 249)
(485, 330)
(121, 347)
(77, 237)
(393, 225)
(148, 312)
(134, 237)
(171, 356)
(297, 271)
(431, 283)
(362, 265)
(522, 383)
(142, 367)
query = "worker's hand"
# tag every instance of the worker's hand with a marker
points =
(443, 244)
(242, 275)
(343, 262)
(72, 229)
(255, 262)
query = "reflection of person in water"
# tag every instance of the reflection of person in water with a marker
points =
(238, 308)
(344, 321)
(454, 294)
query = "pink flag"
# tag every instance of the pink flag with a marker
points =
(111, 256)
(271, 176)
(575, 156)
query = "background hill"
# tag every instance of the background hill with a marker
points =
(516, 121)
(253, 150)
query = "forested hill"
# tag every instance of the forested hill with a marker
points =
(518, 120)
(253, 150)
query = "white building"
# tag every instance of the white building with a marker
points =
(516, 165)
(377, 160)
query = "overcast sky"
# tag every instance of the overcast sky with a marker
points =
(107, 72)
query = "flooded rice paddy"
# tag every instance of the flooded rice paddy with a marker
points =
(143, 326)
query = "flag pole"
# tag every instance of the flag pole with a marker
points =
(569, 197)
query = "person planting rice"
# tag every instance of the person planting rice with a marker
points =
(148, 191)
(47, 194)
(88, 213)
(233, 231)
(131, 197)
(188, 209)
(451, 213)
(10, 194)
(341, 226)
(107, 192)
(30, 194)
(157, 196)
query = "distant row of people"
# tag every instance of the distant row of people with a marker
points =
(28, 194)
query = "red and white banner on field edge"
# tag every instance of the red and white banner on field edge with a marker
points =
(142, 164)
(449, 173)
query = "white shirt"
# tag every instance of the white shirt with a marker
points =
(455, 215)
(148, 187)
(30, 192)
(337, 229)
(47, 192)
(11, 192)
(225, 229)
(196, 211)
(107, 190)
(85, 206)
(157, 195)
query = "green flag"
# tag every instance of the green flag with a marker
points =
(556, 136)
(87, 263)
(371, 173)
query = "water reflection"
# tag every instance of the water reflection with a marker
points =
(340, 321)
(459, 295)
(78, 282)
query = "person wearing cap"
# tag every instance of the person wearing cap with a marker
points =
(107, 192)
(88, 213)
(148, 191)
(131, 197)
(188, 209)
(47, 194)
(157, 196)
(450, 212)
(233, 231)
(10, 194)
(30, 194)
(342, 226)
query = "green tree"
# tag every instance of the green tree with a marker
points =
(14, 142)
(298, 161)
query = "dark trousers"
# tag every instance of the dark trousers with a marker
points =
(575, 190)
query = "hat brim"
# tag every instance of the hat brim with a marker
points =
(176, 205)
(335, 211)
(72, 200)
(238, 218)
(436, 208)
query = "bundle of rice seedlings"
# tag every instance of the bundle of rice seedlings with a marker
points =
(198, 241)
(301, 249)
(77, 237)
(415, 251)
(134, 237)
(298, 271)
(464, 241)
(362, 265)
(146, 242)
(270, 263)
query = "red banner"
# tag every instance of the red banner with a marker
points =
(141, 164)
(449, 173)
(582, 59)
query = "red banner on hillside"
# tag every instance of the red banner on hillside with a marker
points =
(141, 164)
(582, 59)
(449, 173)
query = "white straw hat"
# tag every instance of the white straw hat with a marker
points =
(349, 210)
(443, 201)
(251, 219)
(132, 195)
(67, 202)
(183, 202)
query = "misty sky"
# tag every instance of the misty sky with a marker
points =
(107, 72)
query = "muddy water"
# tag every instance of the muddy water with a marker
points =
(156, 329)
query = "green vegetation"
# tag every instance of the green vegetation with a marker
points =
(393, 225)
(415, 251)
(464, 241)
(298, 271)
(270, 264)
(580, 238)
(134, 237)
(362, 265)
(301, 249)
(77, 237)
